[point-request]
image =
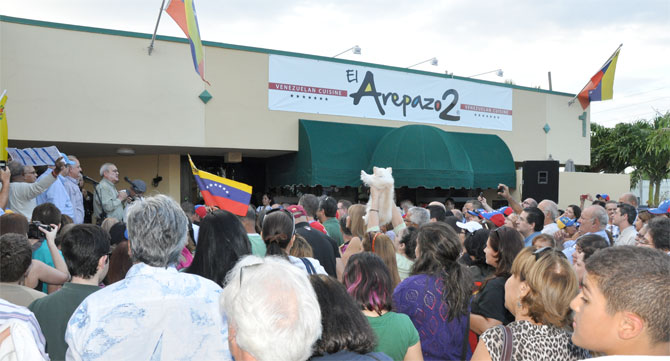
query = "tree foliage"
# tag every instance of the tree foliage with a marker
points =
(643, 145)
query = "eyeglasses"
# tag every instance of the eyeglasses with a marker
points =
(274, 210)
(546, 250)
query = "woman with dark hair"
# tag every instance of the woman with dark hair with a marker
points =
(586, 246)
(488, 306)
(367, 280)
(119, 263)
(266, 201)
(538, 293)
(278, 233)
(474, 249)
(222, 241)
(437, 295)
(572, 212)
(346, 334)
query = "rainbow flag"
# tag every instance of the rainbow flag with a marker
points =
(183, 13)
(601, 85)
(222, 192)
(4, 136)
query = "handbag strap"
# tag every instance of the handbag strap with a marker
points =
(507, 344)
(309, 266)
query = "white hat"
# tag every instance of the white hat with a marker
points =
(469, 226)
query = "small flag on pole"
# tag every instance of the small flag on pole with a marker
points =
(222, 192)
(4, 136)
(183, 13)
(601, 85)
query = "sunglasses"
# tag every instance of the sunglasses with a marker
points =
(275, 210)
(539, 253)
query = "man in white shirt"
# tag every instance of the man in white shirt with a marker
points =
(624, 217)
(156, 312)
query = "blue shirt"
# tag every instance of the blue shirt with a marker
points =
(570, 247)
(76, 198)
(56, 194)
(528, 241)
(153, 314)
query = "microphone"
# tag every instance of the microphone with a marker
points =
(87, 178)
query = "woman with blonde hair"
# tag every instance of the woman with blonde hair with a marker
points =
(364, 232)
(382, 246)
(538, 294)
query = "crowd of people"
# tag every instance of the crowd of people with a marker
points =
(147, 278)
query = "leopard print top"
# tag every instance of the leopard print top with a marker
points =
(533, 342)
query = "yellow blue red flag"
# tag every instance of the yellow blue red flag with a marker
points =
(183, 13)
(4, 136)
(601, 85)
(222, 192)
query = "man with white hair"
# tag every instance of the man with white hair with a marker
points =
(156, 312)
(416, 216)
(107, 201)
(550, 210)
(273, 313)
(71, 183)
(593, 220)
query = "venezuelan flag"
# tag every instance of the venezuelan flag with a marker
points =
(601, 85)
(222, 192)
(4, 136)
(183, 13)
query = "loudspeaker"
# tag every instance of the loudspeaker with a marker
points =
(540, 180)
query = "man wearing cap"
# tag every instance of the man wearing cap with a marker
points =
(56, 193)
(24, 189)
(470, 206)
(107, 201)
(71, 183)
(324, 248)
(531, 222)
(497, 217)
(662, 210)
(624, 217)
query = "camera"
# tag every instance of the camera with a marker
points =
(34, 230)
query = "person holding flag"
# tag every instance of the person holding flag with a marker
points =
(221, 192)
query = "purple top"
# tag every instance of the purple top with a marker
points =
(420, 297)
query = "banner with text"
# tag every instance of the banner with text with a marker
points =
(323, 87)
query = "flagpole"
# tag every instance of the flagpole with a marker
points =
(587, 83)
(153, 37)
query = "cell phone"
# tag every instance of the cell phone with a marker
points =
(481, 194)
(501, 189)
(3, 164)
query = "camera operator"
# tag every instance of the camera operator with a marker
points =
(42, 234)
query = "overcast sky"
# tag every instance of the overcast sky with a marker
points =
(525, 38)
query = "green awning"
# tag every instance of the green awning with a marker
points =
(424, 156)
(333, 154)
(329, 154)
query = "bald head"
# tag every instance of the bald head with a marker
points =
(629, 198)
